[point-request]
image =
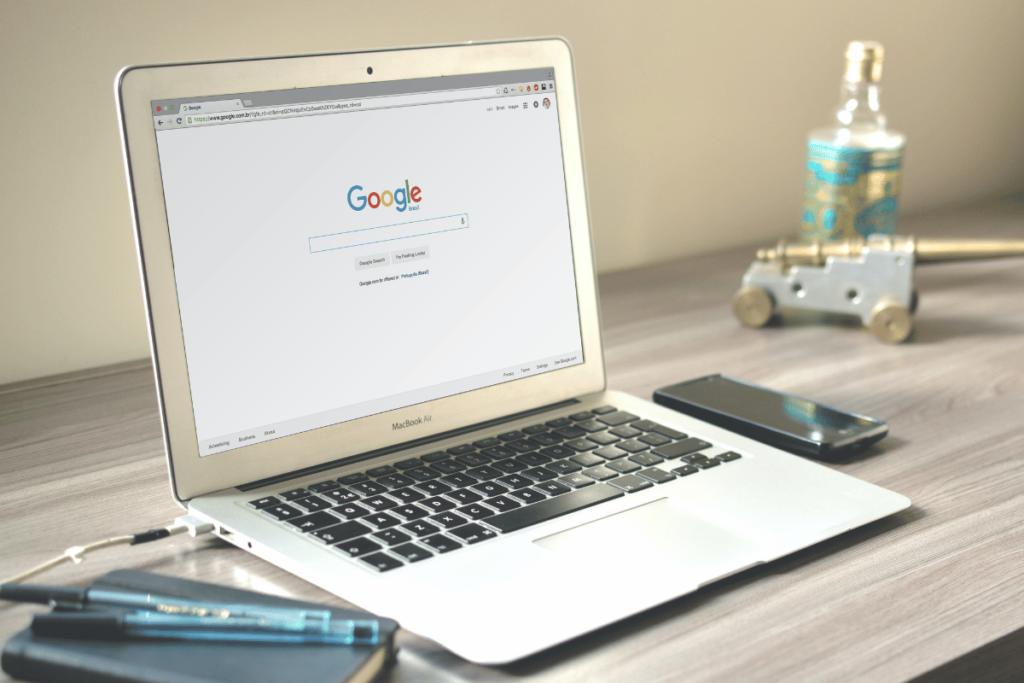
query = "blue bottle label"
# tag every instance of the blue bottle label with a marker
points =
(850, 192)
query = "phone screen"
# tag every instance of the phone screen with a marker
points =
(781, 412)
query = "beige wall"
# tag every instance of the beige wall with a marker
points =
(693, 113)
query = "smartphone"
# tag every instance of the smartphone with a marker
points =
(772, 417)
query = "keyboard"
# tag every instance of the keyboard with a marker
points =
(414, 509)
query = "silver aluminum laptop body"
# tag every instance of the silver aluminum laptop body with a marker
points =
(356, 260)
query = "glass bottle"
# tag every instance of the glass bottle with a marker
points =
(854, 167)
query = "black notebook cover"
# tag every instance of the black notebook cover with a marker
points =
(49, 660)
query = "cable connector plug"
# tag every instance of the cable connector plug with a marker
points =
(194, 525)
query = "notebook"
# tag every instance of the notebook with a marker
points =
(32, 658)
(373, 312)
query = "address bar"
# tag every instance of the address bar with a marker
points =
(338, 106)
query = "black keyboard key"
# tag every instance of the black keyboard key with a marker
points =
(420, 528)
(437, 504)
(433, 488)
(522, 446)
(528, 496)
(571, 432)
(626, 432)
(656, 475)
(706, 463)
(317, 520)
(603, 438)
(592, 426)
(577, 481)
(539, 474)
(448, 520)
(461, 450)
(410, 512)
(422, 474)
(283, 512)
(412, 552)
(441, 544)
(475, 511)
(464, 496)
(553, 507)
(511, 436)
(623, 466)
(459, 480)
(348, 530)
(312, 504)
(655, 439)
(580, 417)
(341, 496)
(533, 430)
(381, 471)
(516, 481)
(408, 464)
(679, 448)
(601, 473)
(604, 410)
(646, 459)
(484, 473)
(350, 479)
(509, 465)
(396, 481)
(473, 459)
(502, 503)
(546, 439)
(685, 470)
(324, 486)
(381, 520)
(552, 488)
(448, 466)
(264, 502)
(617, 418)
(392, 536)
(499, 452)
(434, 457)
(487, 443)
(632, 445)
(649, 426)
(351, 510)
(294, 494)
(358, 546)
(333, 534)
(611, 452)
(533, 459)
(381, 562)
(489, 488)
(581, 445)
(729, 457)
(695, 458)
(558, 452)
(631, 483)
(587, 459)
(563, 467)
(559, 422)
(474, 533)
(378, 503)
(369, 488)
(407, 495)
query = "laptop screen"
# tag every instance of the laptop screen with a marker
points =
(344, 251)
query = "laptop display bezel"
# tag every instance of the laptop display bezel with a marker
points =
(137, 87)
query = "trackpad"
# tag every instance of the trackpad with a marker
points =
(656, 535)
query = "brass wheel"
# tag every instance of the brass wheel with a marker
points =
(890, 322)
(753, 306)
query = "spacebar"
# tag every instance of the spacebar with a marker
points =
(552, 507)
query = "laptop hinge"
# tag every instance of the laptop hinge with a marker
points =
(405, 445)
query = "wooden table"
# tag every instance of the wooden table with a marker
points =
(81, 459)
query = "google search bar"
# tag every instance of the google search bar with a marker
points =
(388, 233)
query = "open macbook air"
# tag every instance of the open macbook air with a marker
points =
(374, 323)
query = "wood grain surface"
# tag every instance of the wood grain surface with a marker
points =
(81, 458)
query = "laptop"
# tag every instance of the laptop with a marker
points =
(373, 312)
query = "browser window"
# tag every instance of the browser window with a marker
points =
(341, 252)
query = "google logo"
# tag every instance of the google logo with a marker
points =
(400, 198)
